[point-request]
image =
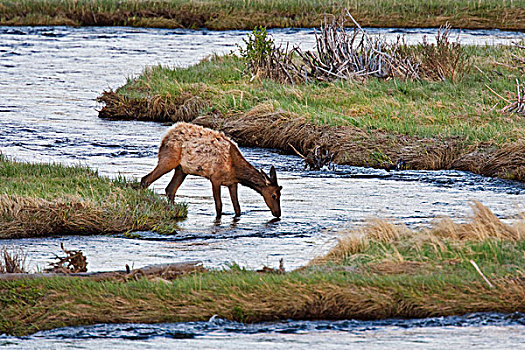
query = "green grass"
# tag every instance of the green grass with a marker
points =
(45, 199)
(238, 14)
(464, 109)
(350, 290)
(391, 272)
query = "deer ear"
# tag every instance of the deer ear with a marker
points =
(264, 174)
(273, 175)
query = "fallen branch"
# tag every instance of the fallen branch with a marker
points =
(495, 93)
(163, 271)
(517, 106)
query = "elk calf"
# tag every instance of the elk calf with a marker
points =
(192, 149)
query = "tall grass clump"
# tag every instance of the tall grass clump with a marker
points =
(484, 238)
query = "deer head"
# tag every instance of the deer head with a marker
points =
(272, 192)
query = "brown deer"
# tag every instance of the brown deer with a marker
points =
(192, 149)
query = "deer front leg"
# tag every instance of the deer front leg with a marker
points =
(175, 183)
(216, 188)
(235, 199)
(159, 170)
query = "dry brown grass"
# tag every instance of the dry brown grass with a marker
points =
(483, 225)
(268, 126)
(184, 107)
(33, 217)
(446, 59)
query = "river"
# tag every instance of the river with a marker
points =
(49, 79)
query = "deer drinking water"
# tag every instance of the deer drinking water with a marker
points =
(192, 149)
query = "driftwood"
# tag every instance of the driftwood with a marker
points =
(12, 260)
(340, 54)
(517, 106)
(164, 272)
(74, 261)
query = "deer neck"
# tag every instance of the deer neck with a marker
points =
(246, 173)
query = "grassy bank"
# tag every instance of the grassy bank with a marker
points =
(379, 271)
(237, 14)
(451, 124)
(52, 199)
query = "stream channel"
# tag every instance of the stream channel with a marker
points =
(49, 79)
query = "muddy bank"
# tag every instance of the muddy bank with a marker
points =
(266, 126)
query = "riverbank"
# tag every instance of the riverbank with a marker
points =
(226, 15)
(375, 272)
(52, 199)
(384, 123)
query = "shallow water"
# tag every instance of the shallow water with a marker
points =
(482, 331)
(49, 79)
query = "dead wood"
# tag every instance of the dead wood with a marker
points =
(74, 262)
(517, 106)
(12, 260)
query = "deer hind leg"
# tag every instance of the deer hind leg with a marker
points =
(168, 160)
(175, 183)
(235, 199)
(216, 188)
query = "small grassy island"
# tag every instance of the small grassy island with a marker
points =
(378, 271)
(52, 199)
(242, 14)
(449, 118)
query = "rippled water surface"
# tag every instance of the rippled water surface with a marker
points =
(49, 79)
(480, 331)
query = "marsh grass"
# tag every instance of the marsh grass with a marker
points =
(465, 108)
(240, 14)
(388, 271)
(53, 199)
